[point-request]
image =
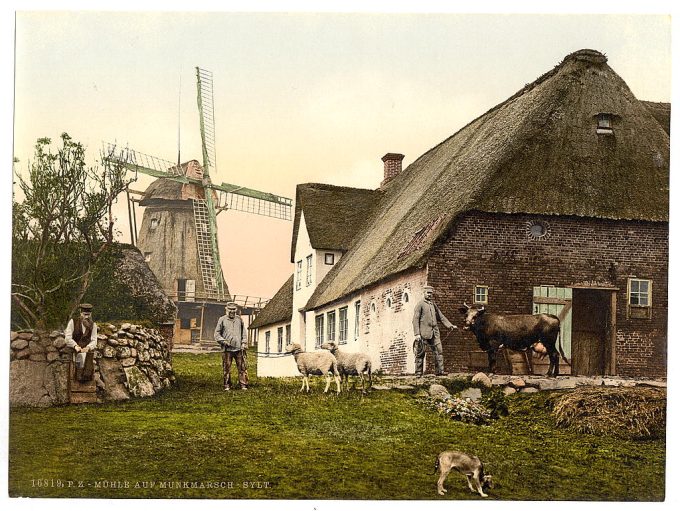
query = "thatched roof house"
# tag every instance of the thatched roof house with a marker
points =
(556, 200)
(498, 163)
(279, 309)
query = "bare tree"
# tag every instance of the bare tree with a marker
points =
(61, 228)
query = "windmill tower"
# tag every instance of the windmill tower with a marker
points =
(178, 235)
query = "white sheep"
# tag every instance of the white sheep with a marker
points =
(355, 364)
(318, 363)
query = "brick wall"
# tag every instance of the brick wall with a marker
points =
(498, 251)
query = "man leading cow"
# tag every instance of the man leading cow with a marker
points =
(425, 327)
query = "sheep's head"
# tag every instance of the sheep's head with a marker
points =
(292, 348)
(330, 346)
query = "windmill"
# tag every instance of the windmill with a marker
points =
(178, 235)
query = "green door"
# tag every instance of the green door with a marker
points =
(557, 301)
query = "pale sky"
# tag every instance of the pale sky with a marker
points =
(298, 97)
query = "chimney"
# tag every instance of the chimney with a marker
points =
(392, 163)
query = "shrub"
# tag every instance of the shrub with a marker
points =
(495, 402)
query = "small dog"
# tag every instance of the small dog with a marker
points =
(468, 465)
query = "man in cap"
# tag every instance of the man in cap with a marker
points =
(230, 334)
(81, 335)
(426, 330)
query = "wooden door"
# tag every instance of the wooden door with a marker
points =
(590, 331)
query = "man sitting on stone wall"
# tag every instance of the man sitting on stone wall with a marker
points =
(81, 335)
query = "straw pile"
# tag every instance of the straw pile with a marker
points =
(627, 412)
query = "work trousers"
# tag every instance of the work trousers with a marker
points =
(435, 345)
(227, 358)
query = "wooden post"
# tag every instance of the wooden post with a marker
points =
(611, 370)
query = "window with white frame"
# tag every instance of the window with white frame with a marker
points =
(330, 326)
(309, 270)
(604, 124)
(639, 298)
(318, 323)
(342, 325)
(329, 258)
(279, 333)
(481, 294)
(287, 335)
(267, 339)
(357, 318)
(298, 275)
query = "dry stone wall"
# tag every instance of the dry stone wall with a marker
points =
(130, 361)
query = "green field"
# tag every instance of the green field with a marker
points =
(272, 442)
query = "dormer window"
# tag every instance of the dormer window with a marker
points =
(604, 124)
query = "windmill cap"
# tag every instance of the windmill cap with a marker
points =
(587, 55)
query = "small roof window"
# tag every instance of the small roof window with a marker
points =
(604, 124)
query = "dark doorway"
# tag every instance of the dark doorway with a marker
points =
(590, 331)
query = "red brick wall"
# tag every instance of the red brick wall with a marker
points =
(496, 250)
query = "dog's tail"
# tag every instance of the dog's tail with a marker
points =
(436, 465)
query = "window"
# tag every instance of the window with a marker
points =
(267, 338)
(190, 290)
(342, 326)
(330, 322)
(388, 302)
(405, 297)
(604, 124)
(154, 224)
(481, 294)
(309, 270)
(287, 335)
(357, 318)
(329, 258)
(298, 275)
(537, 229)
(147, 257)
(639, 298)
(318, 322)
(181, 289)
(280, 338)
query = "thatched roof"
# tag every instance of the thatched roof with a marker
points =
(279, 309)
(332, 214)
(537, 152)
(661, 112)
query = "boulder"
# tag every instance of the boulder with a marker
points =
(27, 383)
(52, 356)
(482, 379)
(138, 384)
(109, 351)
(56, 383)
(25, 353)
(19, 344)
(472, 394)
(112, 341)
(437, 391)
(38, 357)
(35, 347)
(59, 343)
(114, 379)
(509, 390)
(125, 326)
(518, 383)
(123, 352)
(13, 336)
(528, 390)
(25, 335)
(127, 362)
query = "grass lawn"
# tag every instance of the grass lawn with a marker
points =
(272, 442)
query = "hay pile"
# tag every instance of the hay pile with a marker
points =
(627, 412)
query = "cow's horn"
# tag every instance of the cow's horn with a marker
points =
(483, 308)
(466, 305)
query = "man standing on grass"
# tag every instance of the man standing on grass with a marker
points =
(81, 335)
(230, 334)
(426, 330)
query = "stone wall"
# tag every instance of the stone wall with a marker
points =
(130, 361)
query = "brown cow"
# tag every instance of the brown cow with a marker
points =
(517, 332)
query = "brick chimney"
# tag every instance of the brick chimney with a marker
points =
(392, 163)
